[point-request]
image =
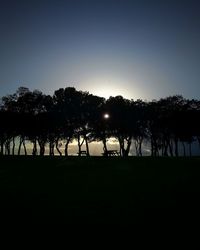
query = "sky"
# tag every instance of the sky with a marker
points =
(138, 49)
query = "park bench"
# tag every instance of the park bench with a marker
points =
(83, 152)
(111, 153)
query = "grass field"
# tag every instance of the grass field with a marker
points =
(99, 190)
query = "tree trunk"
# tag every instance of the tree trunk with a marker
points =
(2, 144)
(34, 152)
(23, 143)
(51, 148)
(66, 146)
(7, 147)
(79, 144)
(87, 146)
(154, 147)
(136, 147)
(121, 146)
(140, 147)
(105, 150)
(163, 147)
(57, 147)
(20, 145)
(166, 143)
(171, 148)
(13, 146)
(128, 146)
(42, 147)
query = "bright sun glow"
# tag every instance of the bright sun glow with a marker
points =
(106, 116)
(107, 91)
(104, 88)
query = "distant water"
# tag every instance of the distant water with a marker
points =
(96, 148)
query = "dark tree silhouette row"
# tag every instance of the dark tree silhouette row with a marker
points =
(69, 114)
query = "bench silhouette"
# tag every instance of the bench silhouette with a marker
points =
(111, 153)
(82, 152)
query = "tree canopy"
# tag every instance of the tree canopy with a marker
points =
(51, 121)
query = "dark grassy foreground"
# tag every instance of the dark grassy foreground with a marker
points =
(99, 190)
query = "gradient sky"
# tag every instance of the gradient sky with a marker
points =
(138, 49)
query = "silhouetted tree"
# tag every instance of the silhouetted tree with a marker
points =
(69, 114)
(120, 122)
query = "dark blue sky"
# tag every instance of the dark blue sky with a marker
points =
(139, 49)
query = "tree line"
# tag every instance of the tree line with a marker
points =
(44, 120)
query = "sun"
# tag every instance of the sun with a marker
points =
(106, 116)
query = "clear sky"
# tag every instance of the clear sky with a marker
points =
(138, 49)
